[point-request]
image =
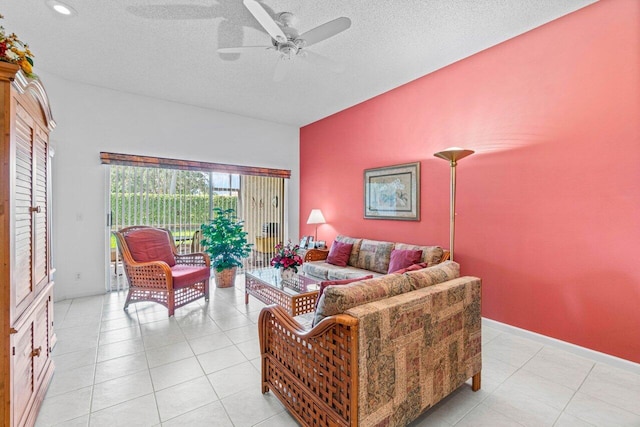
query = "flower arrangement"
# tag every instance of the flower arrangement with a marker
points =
(15, 51)
(287, 257)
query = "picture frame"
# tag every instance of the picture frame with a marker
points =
(392, 192)
(321, 244)
(310, 244)
(304, 241)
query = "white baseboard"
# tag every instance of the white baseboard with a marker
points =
(596, 356)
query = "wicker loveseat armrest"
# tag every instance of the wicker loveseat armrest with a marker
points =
(314, 373)
(197, 259)
(153, 274)
(315, 255)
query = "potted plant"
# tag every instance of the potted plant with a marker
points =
(225, 240)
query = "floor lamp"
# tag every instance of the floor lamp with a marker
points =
(453, 154)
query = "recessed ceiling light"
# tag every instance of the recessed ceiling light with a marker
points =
(61, 8)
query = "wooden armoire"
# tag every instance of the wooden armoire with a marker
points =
(26, 282)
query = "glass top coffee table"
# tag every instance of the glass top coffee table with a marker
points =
(297, 294)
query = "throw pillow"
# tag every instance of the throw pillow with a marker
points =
(324, 284)
(339, 254)
(355, 251)
(403, 258)
(413, 267)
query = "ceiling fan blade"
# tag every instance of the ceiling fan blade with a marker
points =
(265, 20)
(322, 61)
(283, 66)
(326, 30)
(243, 49)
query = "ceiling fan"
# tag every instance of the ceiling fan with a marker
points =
(286, 40)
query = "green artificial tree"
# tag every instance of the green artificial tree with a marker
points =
(225, 240)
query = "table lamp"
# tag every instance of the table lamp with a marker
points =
(316, 217)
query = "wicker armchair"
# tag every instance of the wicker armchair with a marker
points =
(157, 273)
(196, 242)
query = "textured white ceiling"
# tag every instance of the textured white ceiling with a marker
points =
(167, 49)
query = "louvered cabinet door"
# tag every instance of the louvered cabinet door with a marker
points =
(22, 370)
(24, 210)
(40, 250)
(40, 341)
(31, 360)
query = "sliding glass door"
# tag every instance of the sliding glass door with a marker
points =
(182, 200)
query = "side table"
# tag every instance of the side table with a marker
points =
(313, 254)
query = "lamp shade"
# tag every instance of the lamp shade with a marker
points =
(316, 217)
(453, 154)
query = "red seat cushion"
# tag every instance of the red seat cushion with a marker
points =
(403, 258)
(150, 244)
(187, 275)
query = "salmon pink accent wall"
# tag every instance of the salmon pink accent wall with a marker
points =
(548, 209)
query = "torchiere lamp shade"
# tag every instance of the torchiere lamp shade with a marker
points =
(453, 154)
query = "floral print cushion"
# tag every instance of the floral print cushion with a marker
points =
(439, 273)
(355, 250)
(374, 255)
(317, 268)
(337, 299)
(324, 270)
(349, 273)
(430, 254)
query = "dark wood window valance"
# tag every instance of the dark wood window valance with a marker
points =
(192, 165)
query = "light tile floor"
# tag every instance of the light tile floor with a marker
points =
(201, 368)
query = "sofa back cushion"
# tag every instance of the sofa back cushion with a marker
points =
(340, 253)
(150, 244)
(430, 254)
(355, 250)
(326, 283)
(439, 273)
(374, 255)
(337, 299)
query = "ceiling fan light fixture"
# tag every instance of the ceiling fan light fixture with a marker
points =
(61, 8)
(288, 49)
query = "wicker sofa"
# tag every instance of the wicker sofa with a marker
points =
(386, 349)
(367, 257)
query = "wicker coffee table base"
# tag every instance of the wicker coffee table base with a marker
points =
(295, 304)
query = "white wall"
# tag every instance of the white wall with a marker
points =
(92, 119)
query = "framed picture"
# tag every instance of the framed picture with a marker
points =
(310, 243)
(304, 241)
(392, 192)
(321, 244)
